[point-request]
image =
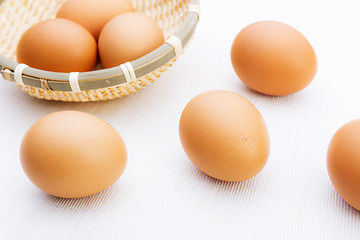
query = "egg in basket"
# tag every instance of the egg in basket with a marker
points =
(177, 20)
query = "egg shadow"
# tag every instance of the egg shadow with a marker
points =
(338, 203)
(291, 99)
(244, 188)
(96, 202)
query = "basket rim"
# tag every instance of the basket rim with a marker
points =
(110, 77)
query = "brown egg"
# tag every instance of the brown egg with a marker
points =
(93, 14)
(58, 45)
(273, 58)
(343, 162)
(72, 154)
(127, 37)
(224, 135)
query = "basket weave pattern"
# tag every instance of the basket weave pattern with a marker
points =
(17, 16)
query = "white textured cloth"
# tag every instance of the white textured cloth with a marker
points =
(161, 195)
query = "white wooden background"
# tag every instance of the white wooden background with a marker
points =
(161, 195)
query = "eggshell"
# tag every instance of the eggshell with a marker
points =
(224, 135)
(273, 58)
(58, 45)
(72, 154)
(343, 162)
(93, 14)
(127, 37)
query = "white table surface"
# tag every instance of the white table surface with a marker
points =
(161, 195)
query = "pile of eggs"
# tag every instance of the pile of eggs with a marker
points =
(221, 132)
(82, 29)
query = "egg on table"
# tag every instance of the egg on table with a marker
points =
(273, 58)
(72, 154)
(224, 135)
(343, 162)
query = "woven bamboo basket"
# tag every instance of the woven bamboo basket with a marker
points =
(177, 19)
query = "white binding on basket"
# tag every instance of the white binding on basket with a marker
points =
(18, 73)
(128, 71)
(131, 71)
(176, 43)
(74, 82)
(194, 8)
